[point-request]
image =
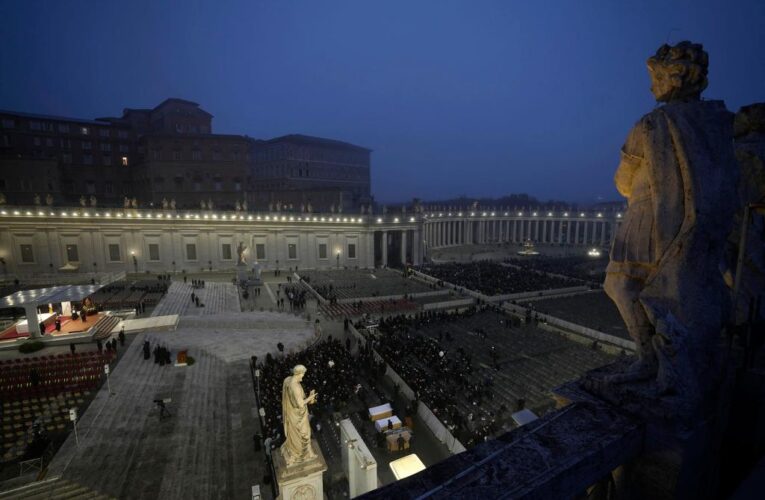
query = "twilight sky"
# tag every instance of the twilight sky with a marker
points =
(476, 98)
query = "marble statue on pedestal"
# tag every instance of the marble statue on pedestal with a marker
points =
(297, 430)
(679, 174)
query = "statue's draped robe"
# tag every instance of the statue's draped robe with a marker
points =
(297, 430)
(680, 175)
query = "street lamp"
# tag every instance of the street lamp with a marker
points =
(135, 261)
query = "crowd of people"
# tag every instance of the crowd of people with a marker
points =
(492, 278)
(162, 355)
(333, 372)
(295, 295)
(441, 372)
(585, 268)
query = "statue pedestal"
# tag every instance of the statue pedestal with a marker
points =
(301, 481)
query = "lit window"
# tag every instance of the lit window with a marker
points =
(84, 130)
(124, 161)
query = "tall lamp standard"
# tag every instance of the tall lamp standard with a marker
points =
(135, 261)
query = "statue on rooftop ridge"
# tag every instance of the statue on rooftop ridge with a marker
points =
(679, 174)
(297, 430)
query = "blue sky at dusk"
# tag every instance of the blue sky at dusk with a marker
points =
(476, 98)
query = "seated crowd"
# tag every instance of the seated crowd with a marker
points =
(589, 269)
(442, 373)
(491, 278)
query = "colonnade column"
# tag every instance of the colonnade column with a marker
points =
(568, 232)
(576, 233)
(384, 241)
(416, 243)
(403, 247)
(586, 231)
(602, 233)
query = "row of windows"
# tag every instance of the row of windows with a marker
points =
(285, 170)
(289, 152)
(115, 254)
(86, 145)
(196, 155)
(65, 128)
(88, 160)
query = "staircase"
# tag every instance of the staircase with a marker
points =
(105, 326)
(56, 488)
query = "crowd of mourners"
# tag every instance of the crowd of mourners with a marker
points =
(332, 371)
(584, 268)
(492, 278)
(441, 373)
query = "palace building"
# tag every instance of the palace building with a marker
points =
(168, 153)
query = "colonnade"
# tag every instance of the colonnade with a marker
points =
(585, 231)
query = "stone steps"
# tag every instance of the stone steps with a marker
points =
(58, 489)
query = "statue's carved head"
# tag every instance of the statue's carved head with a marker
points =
(299, 371)
(678, 72)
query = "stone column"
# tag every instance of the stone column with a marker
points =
(576, 233)
(384, 241)
(403, 246)
(416, 245)
(602, 233)
(586, 231)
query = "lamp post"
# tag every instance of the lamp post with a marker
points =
(135, 261)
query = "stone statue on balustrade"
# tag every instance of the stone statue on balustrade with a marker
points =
(165, 203)
(238, 206)
(126, 202)
(134, 202)
(48, 199)
(244, 205)
(202, 204)
(297, 430)
(83, 201)
(172, 204)
(679, 174)
(37, 199)
(93, 201)
(210, 204)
